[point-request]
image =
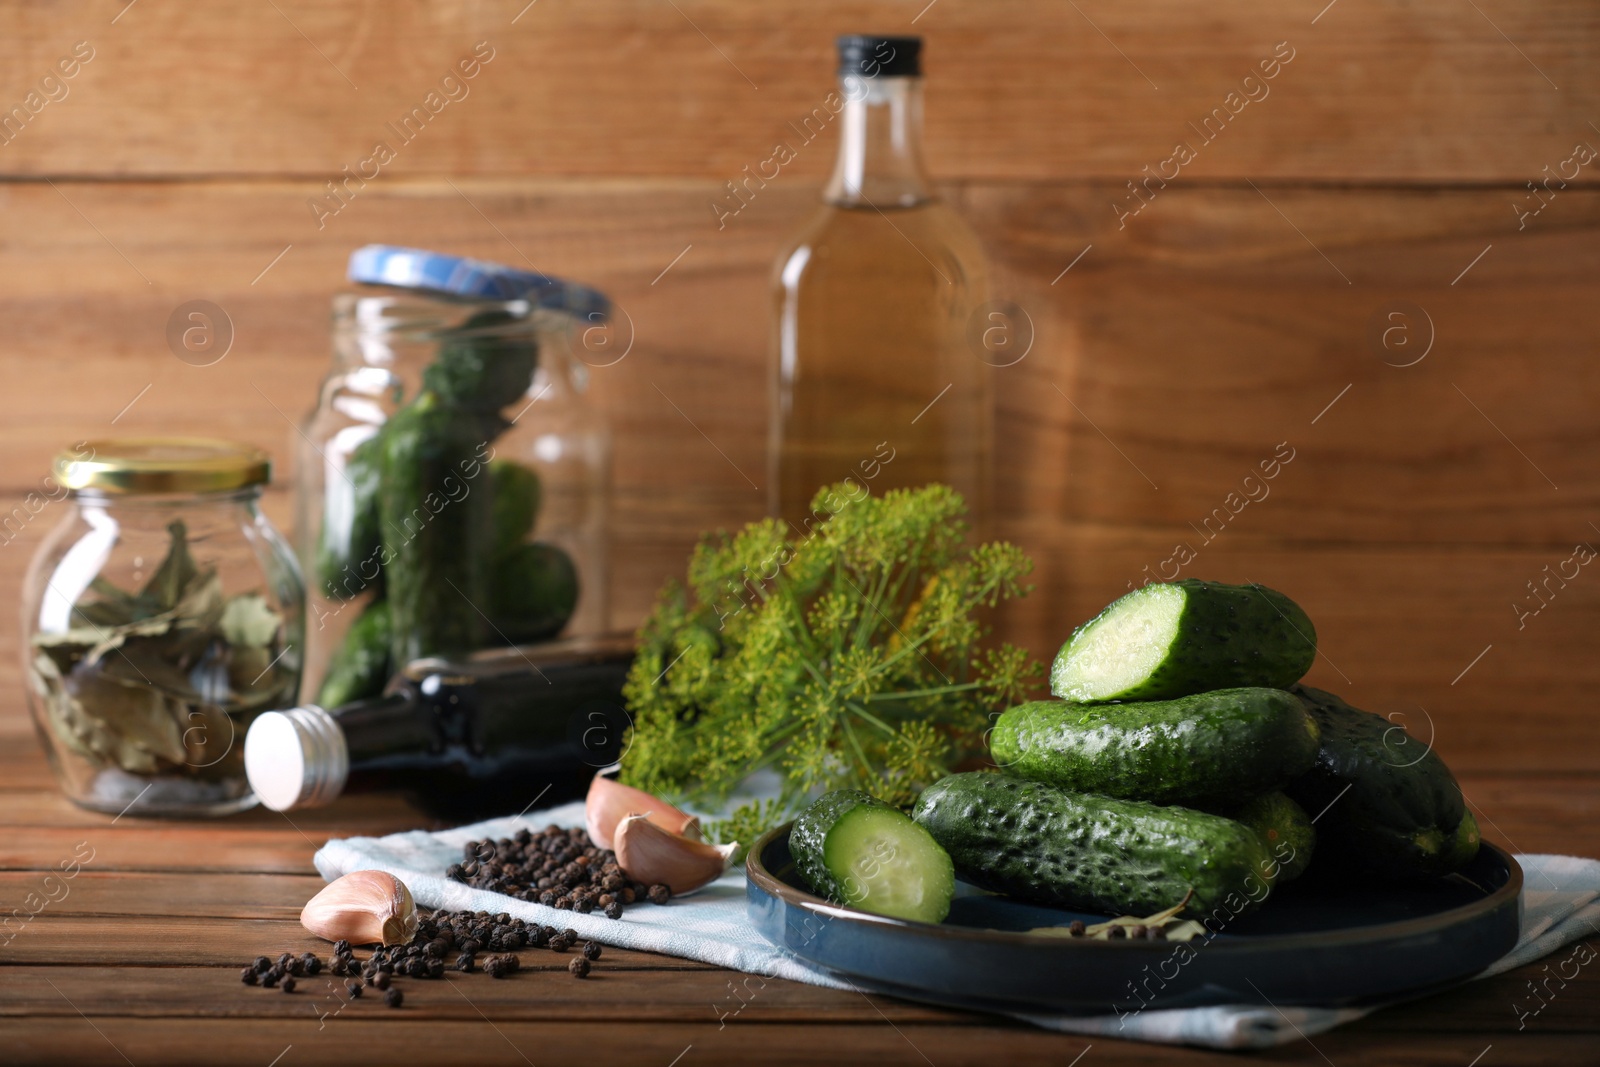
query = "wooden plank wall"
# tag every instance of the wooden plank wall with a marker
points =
(1238, 314)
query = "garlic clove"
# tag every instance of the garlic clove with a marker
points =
(363, 908)
(609, 802)
(651, 854)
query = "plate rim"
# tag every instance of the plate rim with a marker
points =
(757, 873)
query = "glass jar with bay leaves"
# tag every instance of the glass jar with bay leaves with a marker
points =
(160, 617)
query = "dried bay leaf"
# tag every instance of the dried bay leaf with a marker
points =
(135, 725)
(249, 621)
(172, 578)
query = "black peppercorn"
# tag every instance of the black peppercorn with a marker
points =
(435, 969)
(464, 962)
(1138, 931)
(591, 950)
(584, 906)
(311, 964)
(660, 894)
(394, 998)
(249, 976)
(1116, 933)
(380, 980)
(579, 967)
(614, 910)
(288, 984)
(1077, 928)
(283, 960)
(341, 947)
(263, 964)
(354, 989)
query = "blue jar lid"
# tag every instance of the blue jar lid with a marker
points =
(458, 276)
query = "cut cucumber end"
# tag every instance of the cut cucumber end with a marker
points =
(889, 865)
(1116, 652)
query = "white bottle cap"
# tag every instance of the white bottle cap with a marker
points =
(296, 758)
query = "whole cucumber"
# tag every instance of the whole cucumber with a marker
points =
(516, 503)
(1384, 801)
(484, 364)
(348, 547)
(437, 529)
(1210, 749)
(1092, 853)
(1174, 639)
(1285, 829)
(362, 665)
(533, 593)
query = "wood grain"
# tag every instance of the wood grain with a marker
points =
(1017, 89)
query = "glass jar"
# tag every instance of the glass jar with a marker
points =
(452, 484)
(159, 618)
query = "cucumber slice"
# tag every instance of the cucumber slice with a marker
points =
(1181, 638)
(856, 850)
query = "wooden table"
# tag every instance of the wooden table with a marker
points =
(139, 963)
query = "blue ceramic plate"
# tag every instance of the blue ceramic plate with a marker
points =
(1313, 943)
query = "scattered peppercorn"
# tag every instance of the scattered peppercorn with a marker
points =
(579, 967)
(659, 894)
(1077, 928)
(354, 988)
(249, 976)
(591, 950)
(288, 984)
(263, 964)
(1138, 931)
(394, 997)
(380, 980)
(614, 910)
(1116, 932)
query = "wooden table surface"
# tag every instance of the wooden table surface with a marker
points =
(137, 961)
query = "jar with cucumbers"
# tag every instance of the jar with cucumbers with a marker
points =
(453, 479)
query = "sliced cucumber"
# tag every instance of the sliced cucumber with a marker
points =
(854, 849)
(1180, 638)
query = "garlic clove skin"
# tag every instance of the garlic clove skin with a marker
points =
(609, 802)
(363, 908)
(651, 854)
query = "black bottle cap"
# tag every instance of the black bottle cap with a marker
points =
(868, 56)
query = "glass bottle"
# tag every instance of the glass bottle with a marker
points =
(160, 617)
(872, 375)
(487, 735)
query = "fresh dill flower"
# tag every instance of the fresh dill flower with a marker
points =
(847, 655)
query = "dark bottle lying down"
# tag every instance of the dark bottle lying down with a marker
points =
(490, 734)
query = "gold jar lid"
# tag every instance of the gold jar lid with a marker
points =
(162, 465)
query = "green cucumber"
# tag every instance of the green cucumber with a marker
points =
(1285, 829)
(1092, 853)
(533, 592)
(362, 665)
(1384, 802)
(437, 532)
(516, 503)
(854, 849)
(1211, 749)
(1178, 638)
(484, 364)
(348, 548)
